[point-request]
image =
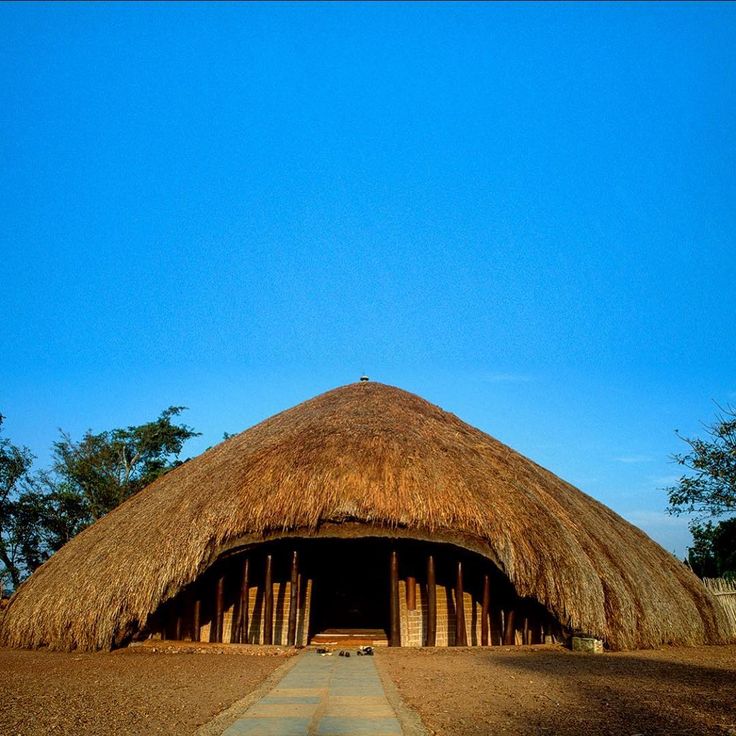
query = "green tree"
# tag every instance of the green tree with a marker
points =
(41, 512)
(102, 470)
(713, 553)
(61, 512)
(708, 489)
(18, 536)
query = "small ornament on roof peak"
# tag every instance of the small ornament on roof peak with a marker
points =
(364, 378)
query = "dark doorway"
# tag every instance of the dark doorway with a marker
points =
(350, 585)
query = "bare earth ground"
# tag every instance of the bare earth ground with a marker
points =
(541, 690)
(458, 692)
(130, 691)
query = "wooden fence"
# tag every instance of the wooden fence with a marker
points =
(725, 593)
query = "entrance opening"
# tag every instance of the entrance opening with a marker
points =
(350, 593)
(343, 596)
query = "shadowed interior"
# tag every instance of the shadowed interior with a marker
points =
(344, 588)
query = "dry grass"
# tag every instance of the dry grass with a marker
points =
(725, 593)
(379, 456)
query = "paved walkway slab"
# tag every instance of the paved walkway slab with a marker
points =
(322, 696)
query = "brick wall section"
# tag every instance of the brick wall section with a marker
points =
(281, 605)
(414, 623)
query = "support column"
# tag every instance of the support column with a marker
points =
(239, 634)
(431, 603)
(395, 633)
(485, 612)
(461, 639)
(268, 601)
(216, 626)
(293, 599)
(508, 635)
(186, 615)
(196, 617)
(245, 601)
(411, 594)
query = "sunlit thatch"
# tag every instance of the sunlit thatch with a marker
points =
(381, 457)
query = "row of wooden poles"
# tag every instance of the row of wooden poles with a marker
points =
(461, 635)
(240, 622)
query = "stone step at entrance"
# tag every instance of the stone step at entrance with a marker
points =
(350, 638)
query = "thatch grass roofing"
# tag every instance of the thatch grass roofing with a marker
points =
(387, 460)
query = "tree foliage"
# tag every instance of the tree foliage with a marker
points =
(102, 470)
(42, 511)
(18, 536)
(708, 489)
(713, 553)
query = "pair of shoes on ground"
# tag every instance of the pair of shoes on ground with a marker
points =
(362, 652)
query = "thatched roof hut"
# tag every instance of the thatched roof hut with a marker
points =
(361, 462)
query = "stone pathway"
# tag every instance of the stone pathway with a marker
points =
(322, 696)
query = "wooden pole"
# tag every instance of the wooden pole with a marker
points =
(216, 629)
(178, 623)
(411, 593)
(293, 600)
(461, 639)
(186, 615)
(235, 621)
(395, 633)
(245, 601)
(239, 631)
(196, 618)
(302, 610)
(268, 601)
(527, 631)
(431, 602)
(485, 612)
(508, 636)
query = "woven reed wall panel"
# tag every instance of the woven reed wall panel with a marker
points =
(724, 592)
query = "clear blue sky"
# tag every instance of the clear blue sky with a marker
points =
(524, 213)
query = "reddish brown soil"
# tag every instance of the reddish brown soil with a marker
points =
(125, 692)
(458, 692)
(538, 690)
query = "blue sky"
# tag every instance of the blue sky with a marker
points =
(524, 213)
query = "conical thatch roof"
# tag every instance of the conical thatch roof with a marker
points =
(374, 455)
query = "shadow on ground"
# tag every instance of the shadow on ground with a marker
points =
(543, 691)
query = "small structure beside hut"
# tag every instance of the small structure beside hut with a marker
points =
(725, 593)
(363, 515)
